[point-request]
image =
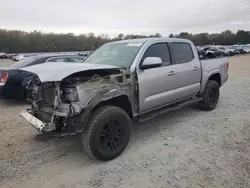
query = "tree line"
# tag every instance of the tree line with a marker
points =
(15, 41)
(224, 38)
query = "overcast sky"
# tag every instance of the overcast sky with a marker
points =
(129, 16)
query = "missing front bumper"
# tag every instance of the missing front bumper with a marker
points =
(39, 125)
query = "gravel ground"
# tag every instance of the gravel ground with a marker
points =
(185, 148)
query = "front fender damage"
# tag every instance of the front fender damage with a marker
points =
(72, 117)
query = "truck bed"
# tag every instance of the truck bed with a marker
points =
(210, 66)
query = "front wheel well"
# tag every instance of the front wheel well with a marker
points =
(216, 77)
(122, 102)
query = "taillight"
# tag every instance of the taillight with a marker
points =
(4, 78)
(227, 66)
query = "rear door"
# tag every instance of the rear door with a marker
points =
(188, 69)
(156, 85)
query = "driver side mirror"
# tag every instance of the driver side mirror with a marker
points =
(151, 62)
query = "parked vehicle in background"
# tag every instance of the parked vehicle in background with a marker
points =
(18, 57)
(226, 51)
(206, 53)
(218, 51)
(215, 51)
(86, 54)
(3, 55)
(10, 56)
(13, 81)
(22, 56)
(241, 49)
(235, 49)
(130, 79)
(246, 49)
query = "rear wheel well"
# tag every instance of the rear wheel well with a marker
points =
(121, 101)
(216, 77)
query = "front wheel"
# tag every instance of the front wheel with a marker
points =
(108, 133)
(210, 96)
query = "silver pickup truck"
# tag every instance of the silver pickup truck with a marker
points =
(120, 82)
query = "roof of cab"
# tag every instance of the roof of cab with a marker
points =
(55, 55)
(143, 40)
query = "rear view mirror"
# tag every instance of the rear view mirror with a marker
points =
(151, 62)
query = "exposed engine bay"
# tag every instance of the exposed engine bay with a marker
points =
(65, 106)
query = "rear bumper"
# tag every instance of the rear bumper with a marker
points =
(39, 125)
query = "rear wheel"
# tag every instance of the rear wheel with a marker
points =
(108, 133)
(210, 96)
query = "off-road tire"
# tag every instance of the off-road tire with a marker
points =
(205, 103)
(91, 138)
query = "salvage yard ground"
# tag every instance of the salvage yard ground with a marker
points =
(185, 148)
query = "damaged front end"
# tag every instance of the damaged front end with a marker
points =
(65, 106)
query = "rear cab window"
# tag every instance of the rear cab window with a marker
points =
(182, 52)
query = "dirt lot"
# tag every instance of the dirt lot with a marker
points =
(185, 148)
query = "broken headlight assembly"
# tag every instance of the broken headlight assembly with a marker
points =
(69, 94)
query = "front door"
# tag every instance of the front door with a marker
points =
(157, 85)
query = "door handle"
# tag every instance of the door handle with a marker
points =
(171, 73)
(195, 68)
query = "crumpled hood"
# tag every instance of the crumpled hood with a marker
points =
(48, 72)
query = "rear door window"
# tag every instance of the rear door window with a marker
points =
(182, 52)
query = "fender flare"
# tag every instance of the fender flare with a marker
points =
(205, 80)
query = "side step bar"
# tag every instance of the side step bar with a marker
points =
(169, 108)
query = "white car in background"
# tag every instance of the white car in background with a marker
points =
(246, 49)
(18, 57)
(21, 57)
(226, 51)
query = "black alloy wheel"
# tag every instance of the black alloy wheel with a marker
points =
(112, 135)
(210, 96)
(108, 133)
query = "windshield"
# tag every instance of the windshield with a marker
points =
(23, 63)
(118, 54)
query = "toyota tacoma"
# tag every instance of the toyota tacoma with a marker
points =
(120, 82)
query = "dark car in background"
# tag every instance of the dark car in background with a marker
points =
(205, 53)
(217, 51)
(214, 51)
(13, 81)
